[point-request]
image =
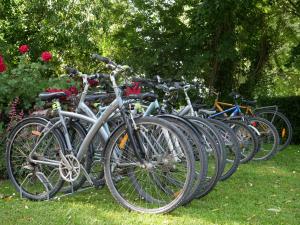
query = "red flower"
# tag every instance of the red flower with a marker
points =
(93, 83)
(2, 67)
(67, 92)
(23, 49)
(46, 56)
(68, 81)
(73, 90)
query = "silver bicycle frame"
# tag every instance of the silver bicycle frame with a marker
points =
(97, 124)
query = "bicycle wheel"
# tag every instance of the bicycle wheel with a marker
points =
(282, 124)
(193, 136)
(34, 181)
(163, 180)
(213, 145)
(268, 138)
(248, 140)
(233, 152)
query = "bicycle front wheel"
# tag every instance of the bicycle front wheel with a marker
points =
(165, 176)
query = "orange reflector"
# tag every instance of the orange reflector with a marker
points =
(36, 133)
(123, 142)
(283, 132)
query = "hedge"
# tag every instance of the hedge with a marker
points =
(290, 107)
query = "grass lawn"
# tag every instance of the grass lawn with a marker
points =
(258, 193)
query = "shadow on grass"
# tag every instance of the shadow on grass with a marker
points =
(259, 193)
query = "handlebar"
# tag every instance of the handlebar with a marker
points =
(101, 58)
(74, 72)
(71, 71)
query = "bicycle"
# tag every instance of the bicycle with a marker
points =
(126, 168)
(265, 130)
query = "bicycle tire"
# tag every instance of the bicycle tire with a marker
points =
(192, 134)
(231, 143)
(12, 138)
(217, 144)
(246, 157)
(261, 125)
(188, 177)
(281, 131)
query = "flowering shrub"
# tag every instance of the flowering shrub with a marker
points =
(21, 83)
(15, 114)
(2, 65)
(93, 83)
(23, 49)
(46, 56)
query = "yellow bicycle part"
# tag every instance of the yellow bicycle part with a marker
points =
(283, 132)
(123, 142)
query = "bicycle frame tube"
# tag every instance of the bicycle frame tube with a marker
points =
(60, 122)
(153, 105)
(46, 161)
(185, 111)
(96, 126)
(219, 105)
(234, 109)
(83, 107)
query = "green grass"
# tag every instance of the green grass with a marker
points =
(259, 193)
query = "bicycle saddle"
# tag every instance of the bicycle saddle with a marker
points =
(198, 106)
(249, 102)
(46, 96)
(148, 96)
(102, 97)
(234, 95)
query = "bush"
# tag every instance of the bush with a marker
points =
(290, 107)
(20, 85)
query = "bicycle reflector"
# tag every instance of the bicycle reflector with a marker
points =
(254, 124)
(123, 142)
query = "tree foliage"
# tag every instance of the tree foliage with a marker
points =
(233, 44)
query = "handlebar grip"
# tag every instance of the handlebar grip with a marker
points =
(101, 58)
(71, 70)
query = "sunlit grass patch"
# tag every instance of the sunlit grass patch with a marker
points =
(265, 192)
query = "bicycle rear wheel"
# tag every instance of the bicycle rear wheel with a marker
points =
(282, 124)
(34, 181)
(233, 152)
(163, 180)
(248, 140)
(213, 145)
(268, 138)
